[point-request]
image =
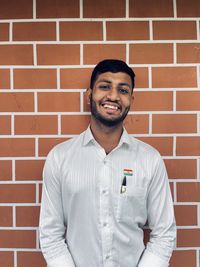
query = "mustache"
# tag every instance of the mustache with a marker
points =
(106, 100)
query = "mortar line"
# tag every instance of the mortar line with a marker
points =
(34, 9)
(81, 9)
(10, 31)
(174, 8)
(127, 8)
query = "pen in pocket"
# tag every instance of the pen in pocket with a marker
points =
(123, 186)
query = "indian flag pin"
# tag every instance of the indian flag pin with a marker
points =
(128, 172)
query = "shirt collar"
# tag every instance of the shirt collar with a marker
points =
(88, 137)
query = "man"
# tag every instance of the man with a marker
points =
(102, 186)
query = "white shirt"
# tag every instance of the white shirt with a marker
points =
(86, 221)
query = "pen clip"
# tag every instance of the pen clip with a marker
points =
(123, 186)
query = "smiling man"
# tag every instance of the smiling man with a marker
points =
(101, 187)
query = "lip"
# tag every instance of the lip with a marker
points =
(111, 105)
(110, 108)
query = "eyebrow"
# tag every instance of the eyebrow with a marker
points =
(107, 81)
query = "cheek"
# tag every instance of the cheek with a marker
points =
(97, 97)
(126, 102)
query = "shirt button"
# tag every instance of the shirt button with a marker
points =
(107, 257)
(105, 224)
(103, 191)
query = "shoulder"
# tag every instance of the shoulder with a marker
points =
(66, 148)
(144, 148)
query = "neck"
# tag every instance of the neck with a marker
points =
(107, 137)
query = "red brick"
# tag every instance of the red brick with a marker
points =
(152, 8)
(145, 53)
(16, 102)
(29, 169)
(35, 79)
(21, 9)
(4, 79)
(93, 53)
(183, 258)
(142, 77)
(104, 9)
(127, 30)
(34, 31)
(188, 192)
(137, 124)
(163, 144)
(174, 123)
(155, 101)
(74, 124)
(188, 146)
(5, 170)
(188, 100)
(58, 54)
(17, 239)
(46, 144)
(31, 259)
(75, 78)
(185, 9)
(5, 216)
(6, 259)
(52, 102)
(188, 53)
(16, 54)
(174, 30)
(4, 31)
(170, 77)
(17, 147)
(186, 220)
(5, 124)
(27, 216)
(17, 193)
(57, 9)
(36, 124)
(181, 168)
(81, 31)
(188, 238)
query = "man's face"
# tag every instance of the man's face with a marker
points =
(111, 97)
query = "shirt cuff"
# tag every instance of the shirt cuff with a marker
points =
(61, 261)
(149, 259)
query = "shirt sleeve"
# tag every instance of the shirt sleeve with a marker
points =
(52, 228)
(161, 220)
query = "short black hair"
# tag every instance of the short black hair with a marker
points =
(114, 66)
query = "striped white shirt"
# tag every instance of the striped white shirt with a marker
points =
(86, 221)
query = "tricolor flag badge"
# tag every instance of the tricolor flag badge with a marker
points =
(128, 172)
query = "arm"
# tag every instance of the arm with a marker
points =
(160, 219)
(52, 228)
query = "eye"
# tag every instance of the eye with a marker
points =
(104, 87)
(123, 91)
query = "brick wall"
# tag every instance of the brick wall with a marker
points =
(47, 51)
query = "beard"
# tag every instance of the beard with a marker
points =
(110, 122)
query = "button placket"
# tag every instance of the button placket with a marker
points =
(104, 211)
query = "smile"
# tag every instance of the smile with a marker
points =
(110, 107)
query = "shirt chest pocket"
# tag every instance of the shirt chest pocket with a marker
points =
(131, 206)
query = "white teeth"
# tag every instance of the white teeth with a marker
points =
(110, 106)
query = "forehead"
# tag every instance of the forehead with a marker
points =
(118, 77)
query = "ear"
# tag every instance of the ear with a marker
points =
(132, 99)
(88, 95)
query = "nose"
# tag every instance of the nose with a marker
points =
(113, 94)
